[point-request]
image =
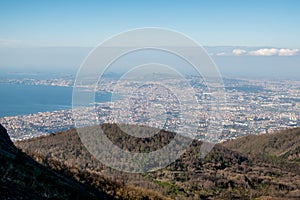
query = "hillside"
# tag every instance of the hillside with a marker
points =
(281, 148)
(21, 177)
(224, 173)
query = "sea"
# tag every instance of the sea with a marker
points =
(22, 99)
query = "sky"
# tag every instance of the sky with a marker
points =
(252, 27)
(213, 22)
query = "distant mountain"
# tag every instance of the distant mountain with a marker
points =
(232, 170)
(21, 177)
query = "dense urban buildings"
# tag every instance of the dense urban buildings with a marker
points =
(252, 106)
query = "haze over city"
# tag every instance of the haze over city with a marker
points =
(249, 38)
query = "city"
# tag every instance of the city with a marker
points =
(252, 106)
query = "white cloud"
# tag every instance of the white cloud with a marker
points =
(287, 52)
(222, 54)
(250, 51)
(274, 52)
(264, 52)
(238, 52)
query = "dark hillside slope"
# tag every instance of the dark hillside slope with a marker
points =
(21, 177)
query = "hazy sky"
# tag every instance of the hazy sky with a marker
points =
(253, 37)
(210, 22)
